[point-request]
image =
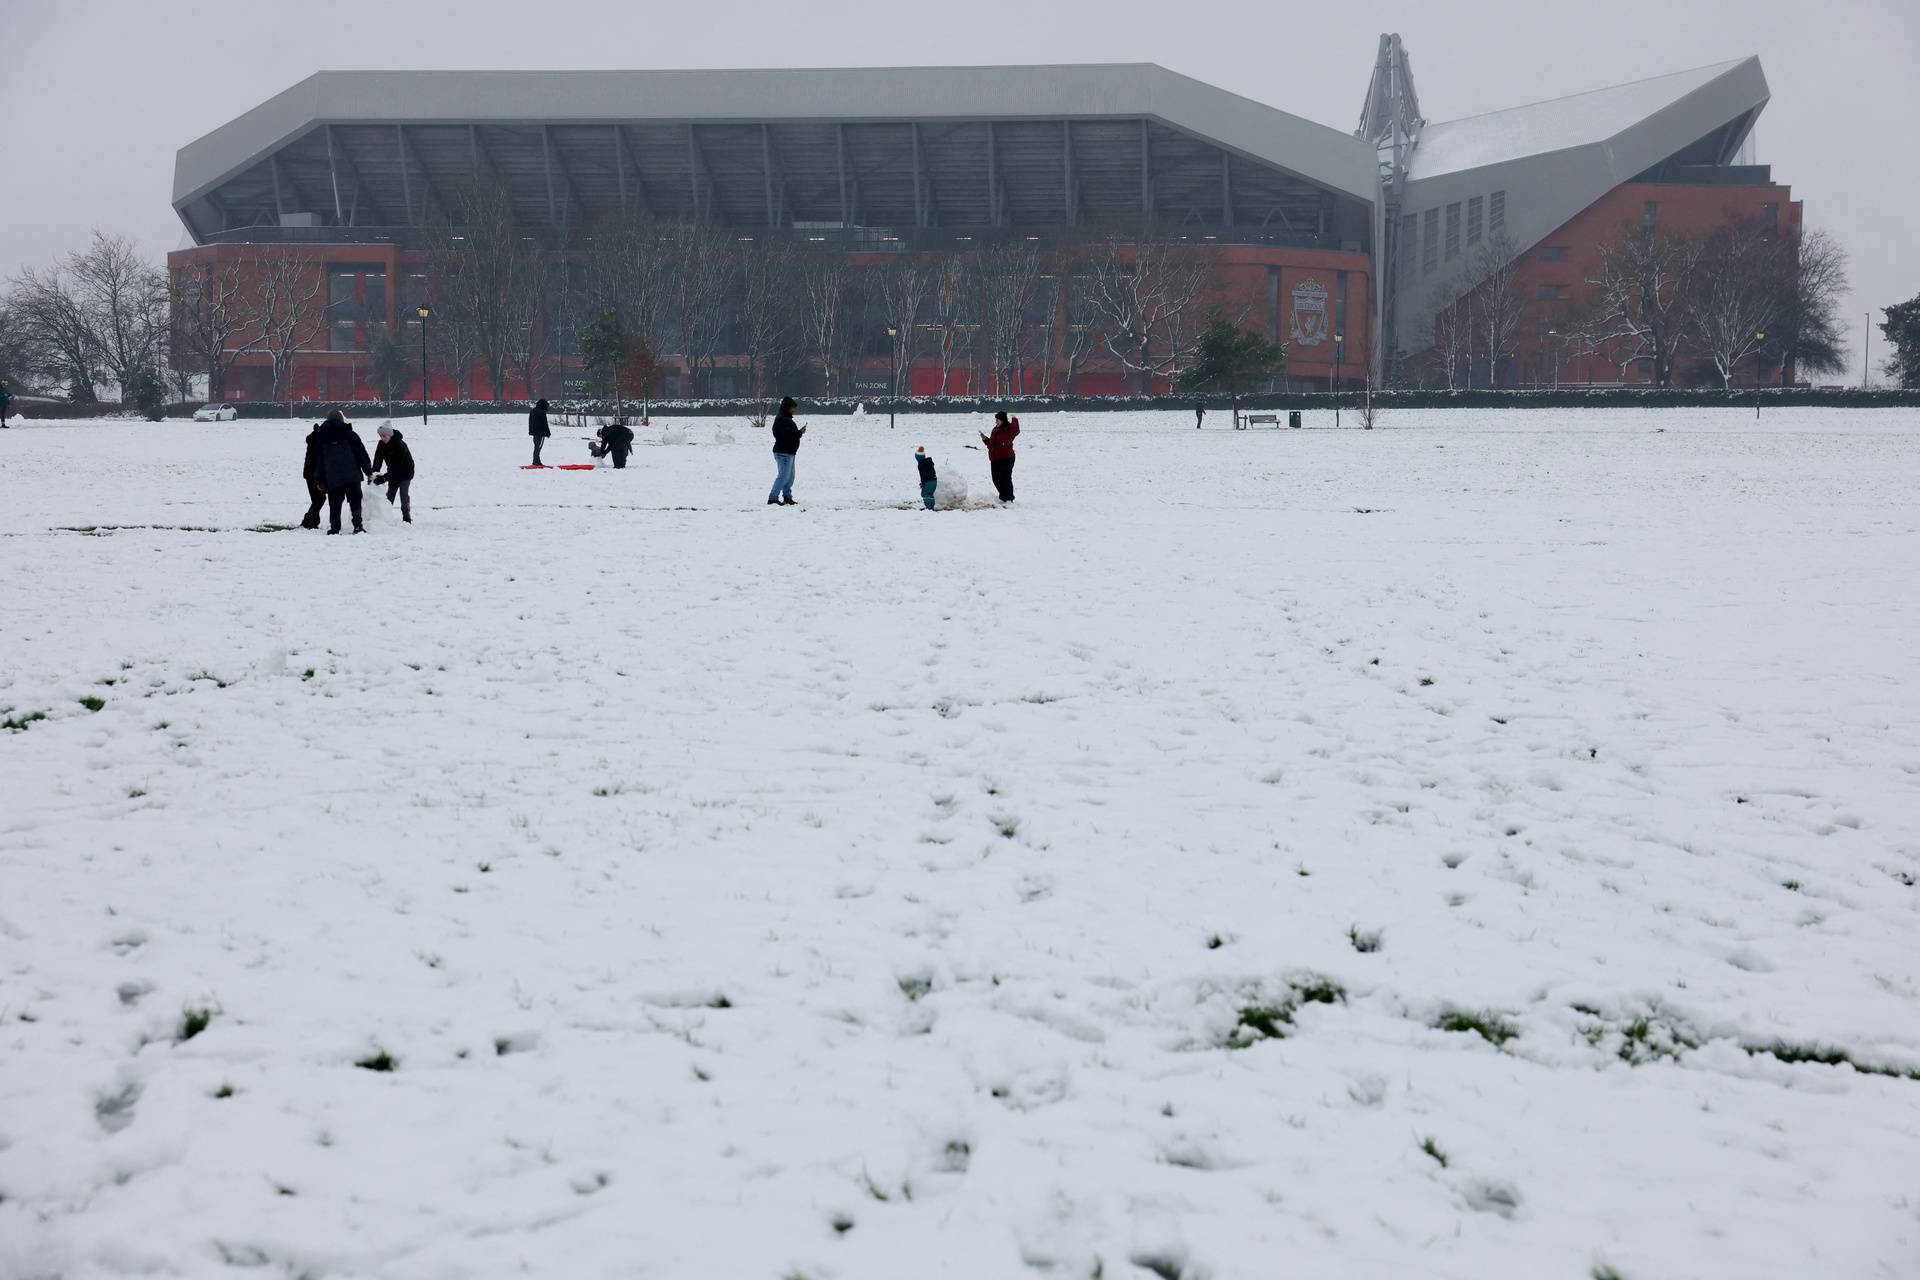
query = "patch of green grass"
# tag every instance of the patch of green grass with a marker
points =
(134, 793)
(840, 1223)
(1425, 681)
(1432, 1148)
(1364, 943)
(192, 1023)
(1791, 885)
(1827, 1055)
(1601, 1271)
(91, 703)
(380, 1061)
(307, 674)
(1498, 719)
(1260, 1022)
(1215, 942)
(721, 1002)
(224, 1091)
(268, 528)
(1490, 1027)
(19, 723)
(1321, 991)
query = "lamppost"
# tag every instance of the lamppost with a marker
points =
(424, 310)
(1555, 335)
(1759, 374)
(1866, 354)
(1339, 350)
(893, 371)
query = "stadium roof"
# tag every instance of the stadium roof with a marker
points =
(1584, 119)
(984, 146)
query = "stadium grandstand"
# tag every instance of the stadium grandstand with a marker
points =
(983, 230)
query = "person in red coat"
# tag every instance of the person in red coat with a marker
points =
(1000, 453)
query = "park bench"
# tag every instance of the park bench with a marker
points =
(1263, 419)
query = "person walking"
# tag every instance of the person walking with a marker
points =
(343, 461)
(786, 443)
(316, 480)
(1199, 413)
(538, 429)
(6, 402)
(929, 479)
(393, 464)
(1000, 453)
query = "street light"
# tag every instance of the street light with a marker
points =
(1339, 350)
(1759, 374)
(893, 371)
(1555, 335)
(424, 310)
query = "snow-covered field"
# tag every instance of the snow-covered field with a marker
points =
(1426, 852)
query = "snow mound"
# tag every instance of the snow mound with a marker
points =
(675, 435)
(951, 492)
(722, 435)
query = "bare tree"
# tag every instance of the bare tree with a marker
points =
(1143, 293)
(904, 287)
(1073, 277)
(54, 321)
(22, 360)
(823, 281)
(209, 321)
(956, 310)
(1640, 300)
(1453, 329)
(1808, 336)
(1738, 291)
(769, 317)
(1495, 300)
(1009, 273)
(697, 275)
(487, 278)
(284, 307)
(124, 300)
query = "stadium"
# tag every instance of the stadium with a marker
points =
(351, 188)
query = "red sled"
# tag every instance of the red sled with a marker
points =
(560, 466)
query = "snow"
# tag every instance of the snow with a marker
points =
(848, 891)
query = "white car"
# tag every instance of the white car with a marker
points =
(215, 413)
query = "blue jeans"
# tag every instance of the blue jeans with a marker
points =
(782, 478)
(926, 492)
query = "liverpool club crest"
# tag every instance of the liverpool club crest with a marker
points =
(1309, 313)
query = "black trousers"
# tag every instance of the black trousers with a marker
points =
(1002, 477)
(406, 501)
(316, 499)
(537, 442)
(350, 493)
(619, 457)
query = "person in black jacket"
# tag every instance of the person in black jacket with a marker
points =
(343, 460)
(616, 441)
(786, 443)
(6, 401)
(538, 429)
(929, 478)
(396, 459)
(316, 483)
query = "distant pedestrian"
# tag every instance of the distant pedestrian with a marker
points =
(786, 443)
(316, 480)
(929, 481)
(343, 461)
(397, 459)
(6, 402)
(538, 429)
(1000, 453)
(616, 442)
(1199, 413)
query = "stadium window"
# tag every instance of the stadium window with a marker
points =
(1476, 219)
(1453, 231)
(1553, 253)
(1409, 243)
(1340, 303)
(1497, 213)
(1773, 218)
(1650, 213)
(1430, 242)
(1551, 292)
(1273, 304)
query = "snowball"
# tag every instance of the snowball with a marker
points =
(674, 435)
(950, 492)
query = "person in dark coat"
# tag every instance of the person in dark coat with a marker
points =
(786, 443)
(315, 479)
(616, 442)
(343, 461)
(538, 429)
(393, 460)
(929, 478)
(1000, 453)
(6, 401)
(1199, 413)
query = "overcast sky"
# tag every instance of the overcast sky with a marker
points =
(97, 95)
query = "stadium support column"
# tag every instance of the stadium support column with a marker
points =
(1146, 174)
